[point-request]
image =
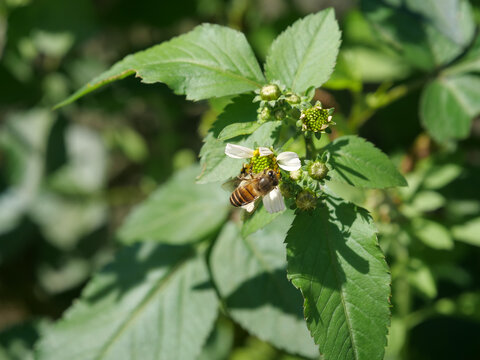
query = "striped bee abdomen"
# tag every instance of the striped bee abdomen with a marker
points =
(242, 196)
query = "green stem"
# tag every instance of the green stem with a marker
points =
(310, 151)
(365, 106)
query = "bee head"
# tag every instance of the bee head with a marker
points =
(273, 176)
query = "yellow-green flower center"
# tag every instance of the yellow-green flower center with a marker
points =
(259, 163)
(314, 118)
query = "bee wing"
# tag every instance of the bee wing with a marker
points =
(232, 184)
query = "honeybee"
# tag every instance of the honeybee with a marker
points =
(253, 186)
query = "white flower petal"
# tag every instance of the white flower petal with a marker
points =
(249, 207)
(238, 151)
(265, 151)
(273, 201)
(289, 161)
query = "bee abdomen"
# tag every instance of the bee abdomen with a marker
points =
(241, 196)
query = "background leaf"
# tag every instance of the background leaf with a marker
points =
(334, 259)
(152, 302)
(250, 275)
(171, 216)
(448, 105)
(417, 30)
(304, 55)
(209, 61)
(468, 232)
(358, 162)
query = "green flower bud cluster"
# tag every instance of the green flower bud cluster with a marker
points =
(276, 103)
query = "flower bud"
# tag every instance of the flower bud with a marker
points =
(293, 99)
(318, 170)
(270, 92)
(316, 119)
(279, 114)
(296, 175)
(264, 115)
(287, 190)
(306, 200)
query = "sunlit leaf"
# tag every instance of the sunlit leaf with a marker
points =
(209, 61)
(250, 275)
(304, 55)
(358, 162)
(448, 105)
(334, 259)
(153, 302)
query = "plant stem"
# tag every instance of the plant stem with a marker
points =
(310, 151)
(366, 106)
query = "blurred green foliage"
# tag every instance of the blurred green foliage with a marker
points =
(69, 177)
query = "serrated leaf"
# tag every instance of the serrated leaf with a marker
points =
(334, 259)
(153, 302)
(238, 129)
(358, 162)
(209, 61)
(242, 110)
(448, 105)
(237, 119)
(416, 29)
(304, 55)
(179, 212)
(216, 166)
(251, 277)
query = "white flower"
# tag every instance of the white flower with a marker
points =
(287, 160)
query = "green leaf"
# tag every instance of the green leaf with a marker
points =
(417, 31)
(153, 302)
(334, 259)
(468, 63)
(16, 342)
(447, 17)
(216, 166)
(448, 105)
(304, 55)
(468, 232)
(237, 119)
(179, 212)
(250, 275)
(23, 145)
(260, 218)
(421, 278)
(428, 201)
(432, 234)
(209, 61)
(358, 162)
